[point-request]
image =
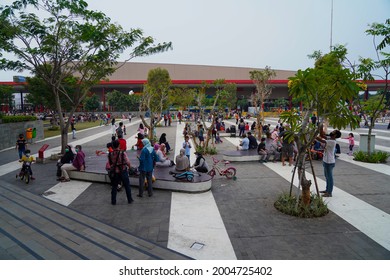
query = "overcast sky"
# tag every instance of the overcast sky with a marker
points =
(247, 33)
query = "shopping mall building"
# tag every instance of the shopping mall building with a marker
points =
(132, 76)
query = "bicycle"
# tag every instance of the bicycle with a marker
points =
(25, 172)
(229, 172)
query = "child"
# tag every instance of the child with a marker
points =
(217, 138)
(187, 146)
(351, 141)
(21, 145)
(27, 159)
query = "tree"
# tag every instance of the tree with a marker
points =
(6, 96)
(182, 97)
(224, 97)
(92, 103)
(263, 90)
(325, 89)
(368, 70)
(71, 45)
(155, 96)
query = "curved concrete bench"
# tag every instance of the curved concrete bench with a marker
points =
(95, 172)
(248, 155)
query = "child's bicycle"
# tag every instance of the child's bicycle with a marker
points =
(229, 172)
(25, 172)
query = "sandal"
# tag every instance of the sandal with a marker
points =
(65, 180)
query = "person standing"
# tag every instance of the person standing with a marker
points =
(21, 145)
(201, 135)
(351, 141)
(77, 164)
(72, 127)
(122, 143)
(146, 165)
(118, 159)
(187, 146)
(329, 160)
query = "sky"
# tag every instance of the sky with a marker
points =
(246, 33)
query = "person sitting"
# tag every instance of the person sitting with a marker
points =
(200, 164)
(77, 164)
(27, 159)
(139, 145)
(218, 138)
(182, 161)
(252, 141)
(164, 160)
(163, 140)
(66, 158)
(262, 151)
(244, 145)
(272, 148)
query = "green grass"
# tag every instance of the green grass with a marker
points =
(52, 131)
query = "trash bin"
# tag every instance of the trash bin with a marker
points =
(29, 133)
(34, 132)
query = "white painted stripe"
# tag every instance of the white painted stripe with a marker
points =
(196, 218)
(372, 221)
(66, 193)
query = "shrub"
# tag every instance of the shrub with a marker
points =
(287, 205)
(375, 157)
(54, 128)
(13, 119)
(207, 151)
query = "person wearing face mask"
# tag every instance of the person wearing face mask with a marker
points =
(77, 164)
(66, 158)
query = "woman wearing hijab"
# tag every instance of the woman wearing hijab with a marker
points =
(182, 161)
(147, 159)
(163, 140)
(163, 158)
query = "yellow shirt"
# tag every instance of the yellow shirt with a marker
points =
(27, 159)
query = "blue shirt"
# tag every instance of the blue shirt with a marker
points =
(147, 159)
(245, 143)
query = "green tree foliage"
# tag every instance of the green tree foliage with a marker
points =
(6, 96)
(155, 97)
(182, 97)
(92, 103)
(370, 69)
(123, 102)
(261, 79)
(325, 89)
(70, 45)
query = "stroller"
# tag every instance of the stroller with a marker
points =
(185, 175)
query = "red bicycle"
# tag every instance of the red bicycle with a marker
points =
(229, 172)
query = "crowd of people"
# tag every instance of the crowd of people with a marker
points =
(274, 146)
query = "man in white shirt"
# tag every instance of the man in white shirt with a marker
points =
(329, 160)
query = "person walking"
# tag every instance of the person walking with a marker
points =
(21, 145)
(118, 160)
(329, 160)
(77, 164)
(146, 165)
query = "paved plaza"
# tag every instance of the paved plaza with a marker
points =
(235, 220)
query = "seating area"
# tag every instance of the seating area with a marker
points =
(95, 172)
(249, 155)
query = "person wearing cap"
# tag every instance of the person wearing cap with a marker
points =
(182, 161)
(200, 164)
